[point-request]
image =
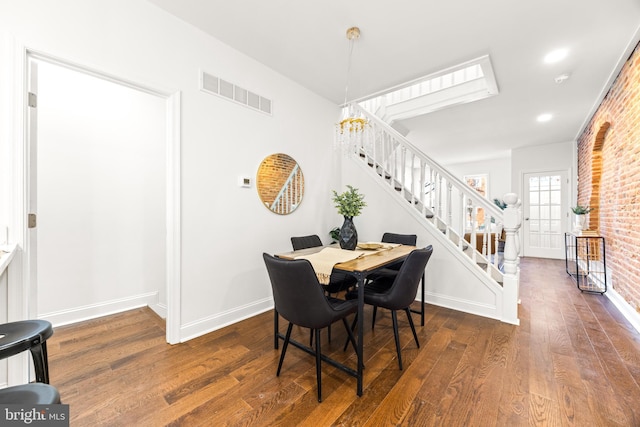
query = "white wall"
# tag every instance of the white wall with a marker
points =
(560, 156)
(225, 228)
(101, 195)
(498, 173)
(541, 158)
(3, 319)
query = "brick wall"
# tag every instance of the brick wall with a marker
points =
(609, 178)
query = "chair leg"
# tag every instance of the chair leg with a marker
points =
(284, 348)
(40, 362)
(318, 365)
(413, 329)
(311, 336)
(394, 317)
(275, 329)
(422, 302)
(375, 311)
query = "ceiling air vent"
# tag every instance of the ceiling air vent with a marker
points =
(217, 86)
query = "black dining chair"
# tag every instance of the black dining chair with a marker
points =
(392, 269)
(300, 300)
(403, 239)
(29, 335)
(30, 394)
(398, 292)
(338, 282)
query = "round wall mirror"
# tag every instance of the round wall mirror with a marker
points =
(280, 183)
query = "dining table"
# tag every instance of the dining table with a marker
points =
(367, 262)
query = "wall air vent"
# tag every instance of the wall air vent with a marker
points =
(217, 86)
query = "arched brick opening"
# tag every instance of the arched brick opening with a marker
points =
(596, 174)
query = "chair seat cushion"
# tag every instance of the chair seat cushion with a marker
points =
(377, 293)
(22, 335)
(378, 286)
(383, 272)
(343, 307)
(30, 394)
(339, 282)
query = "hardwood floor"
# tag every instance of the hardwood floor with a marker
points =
(573, 360)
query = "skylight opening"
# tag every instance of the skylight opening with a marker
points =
(466, 82)
(431, 84)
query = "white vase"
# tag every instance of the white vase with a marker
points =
(581, 223)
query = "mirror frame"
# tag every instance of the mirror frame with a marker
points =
(280, 183)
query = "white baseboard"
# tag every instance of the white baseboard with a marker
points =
(220, 320)
(160, 310)
(92, 311)
(466, 306)
(625, 308)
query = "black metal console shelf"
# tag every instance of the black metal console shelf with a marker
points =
(585, 261)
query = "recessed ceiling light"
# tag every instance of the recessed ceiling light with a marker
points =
(555, 56)
(544, 117)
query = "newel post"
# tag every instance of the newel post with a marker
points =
(512, 221)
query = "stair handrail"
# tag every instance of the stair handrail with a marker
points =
(393, 159)
(479, 200)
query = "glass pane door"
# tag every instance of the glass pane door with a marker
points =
(544, 213)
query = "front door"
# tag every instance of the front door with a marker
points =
(545, 212)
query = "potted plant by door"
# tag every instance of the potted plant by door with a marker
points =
(349, 205)
(581, 214)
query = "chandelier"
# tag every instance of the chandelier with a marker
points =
(350, 125)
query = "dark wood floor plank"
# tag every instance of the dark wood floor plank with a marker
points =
(572, 361)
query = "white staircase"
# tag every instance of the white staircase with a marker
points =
(447, 207)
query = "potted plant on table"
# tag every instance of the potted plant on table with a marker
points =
(581, 213)
(349, 205)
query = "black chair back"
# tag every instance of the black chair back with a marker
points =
(304, 242)
(405, 286)
(297, 294)
(403, 239)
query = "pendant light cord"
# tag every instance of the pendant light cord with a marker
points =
(346, 85)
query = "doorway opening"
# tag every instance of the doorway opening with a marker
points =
(105, 190)
(545, 213)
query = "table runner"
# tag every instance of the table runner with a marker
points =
(323, 261)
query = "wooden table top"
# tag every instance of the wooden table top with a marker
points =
(370, 261)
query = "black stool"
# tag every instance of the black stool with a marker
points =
(30, 394)
(16, 337)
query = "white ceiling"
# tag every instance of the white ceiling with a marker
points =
(305, 40)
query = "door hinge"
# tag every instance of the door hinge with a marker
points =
(31, 222)
(33, 100)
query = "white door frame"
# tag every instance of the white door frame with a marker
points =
(564, 203)
(21, 287)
